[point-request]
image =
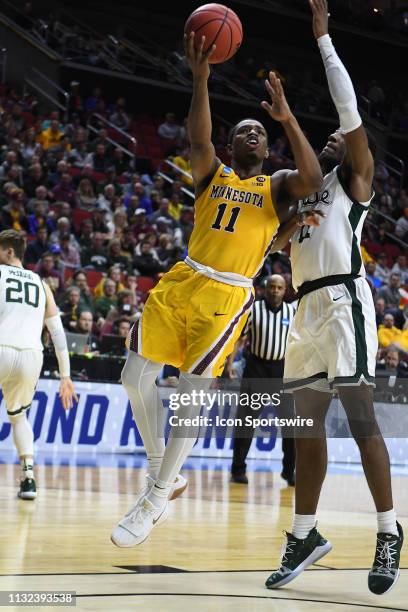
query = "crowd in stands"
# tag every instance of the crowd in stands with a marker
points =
(305, 85)
(101, 233)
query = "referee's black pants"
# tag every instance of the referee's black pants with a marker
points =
(256, 368)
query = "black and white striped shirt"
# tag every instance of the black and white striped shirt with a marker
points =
(268, 329)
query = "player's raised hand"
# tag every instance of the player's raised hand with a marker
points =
(197, 58)
(279, 109)
(320, 17)
(67, 393)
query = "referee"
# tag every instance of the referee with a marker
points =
(267, 332)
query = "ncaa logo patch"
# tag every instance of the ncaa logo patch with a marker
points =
(260, 179)
(285, 322)
(226, 170)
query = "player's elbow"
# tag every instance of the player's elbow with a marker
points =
(279, 245)
(199, 143)
(315, 180)
(195, 134)
(311, 183)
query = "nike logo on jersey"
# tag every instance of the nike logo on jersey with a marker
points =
(338, 298)
(220, 314)
(326, 58)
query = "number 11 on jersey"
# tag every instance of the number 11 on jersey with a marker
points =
(232, 220)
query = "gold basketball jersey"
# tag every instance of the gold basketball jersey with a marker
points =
(235, 222)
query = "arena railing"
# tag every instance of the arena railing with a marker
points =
(393, 237)
(156, 62)
(390, 220)
(13, 12)
(178, 169)
(114, 127)
(109, 45)
(36, 27)
(40, 89)
(11, 16)
(159, 52)
(62, 30)
(111, 48)
(3, 64)
(215, 76)
(395, 164)
(170, 180)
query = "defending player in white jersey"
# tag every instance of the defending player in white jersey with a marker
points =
(25, 304)
(333, 339)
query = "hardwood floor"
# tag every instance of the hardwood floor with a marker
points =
(214, 552)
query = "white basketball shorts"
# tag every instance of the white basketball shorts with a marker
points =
(333, 338)
(19, 374)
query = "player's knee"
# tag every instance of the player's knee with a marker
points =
(137, 367)
(311, 446)
(17, 415)
(361, 418)
(132, 369)
(126, 375)
(368, 444)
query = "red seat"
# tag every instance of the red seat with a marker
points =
(93, 277)
(74, 171)
(156, 152)
(68, 272)
(143, 118)
(79, 215)
(117, 136)
(156, 161)
(148, 130)
(98, 176)
(28, 118)
(145, 283)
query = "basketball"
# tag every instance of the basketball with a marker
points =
(220, 26)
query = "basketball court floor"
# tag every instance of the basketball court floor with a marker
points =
(214, 552)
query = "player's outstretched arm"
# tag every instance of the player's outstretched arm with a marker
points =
(297, 184)
(358, 163)
(203, 159)
(54, 326)
(286, 230)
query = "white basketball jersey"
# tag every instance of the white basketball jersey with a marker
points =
(334, 246)
(22, 308)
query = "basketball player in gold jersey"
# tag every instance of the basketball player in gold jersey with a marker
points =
(195, 314)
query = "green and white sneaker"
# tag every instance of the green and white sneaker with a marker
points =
(297, 555)
(385, 571)
(28, 489)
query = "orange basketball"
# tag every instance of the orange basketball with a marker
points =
(220, 26)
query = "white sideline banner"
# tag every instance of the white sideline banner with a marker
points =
(102, 422)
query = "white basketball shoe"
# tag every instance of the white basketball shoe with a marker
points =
(136, 525)
(138, 522)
